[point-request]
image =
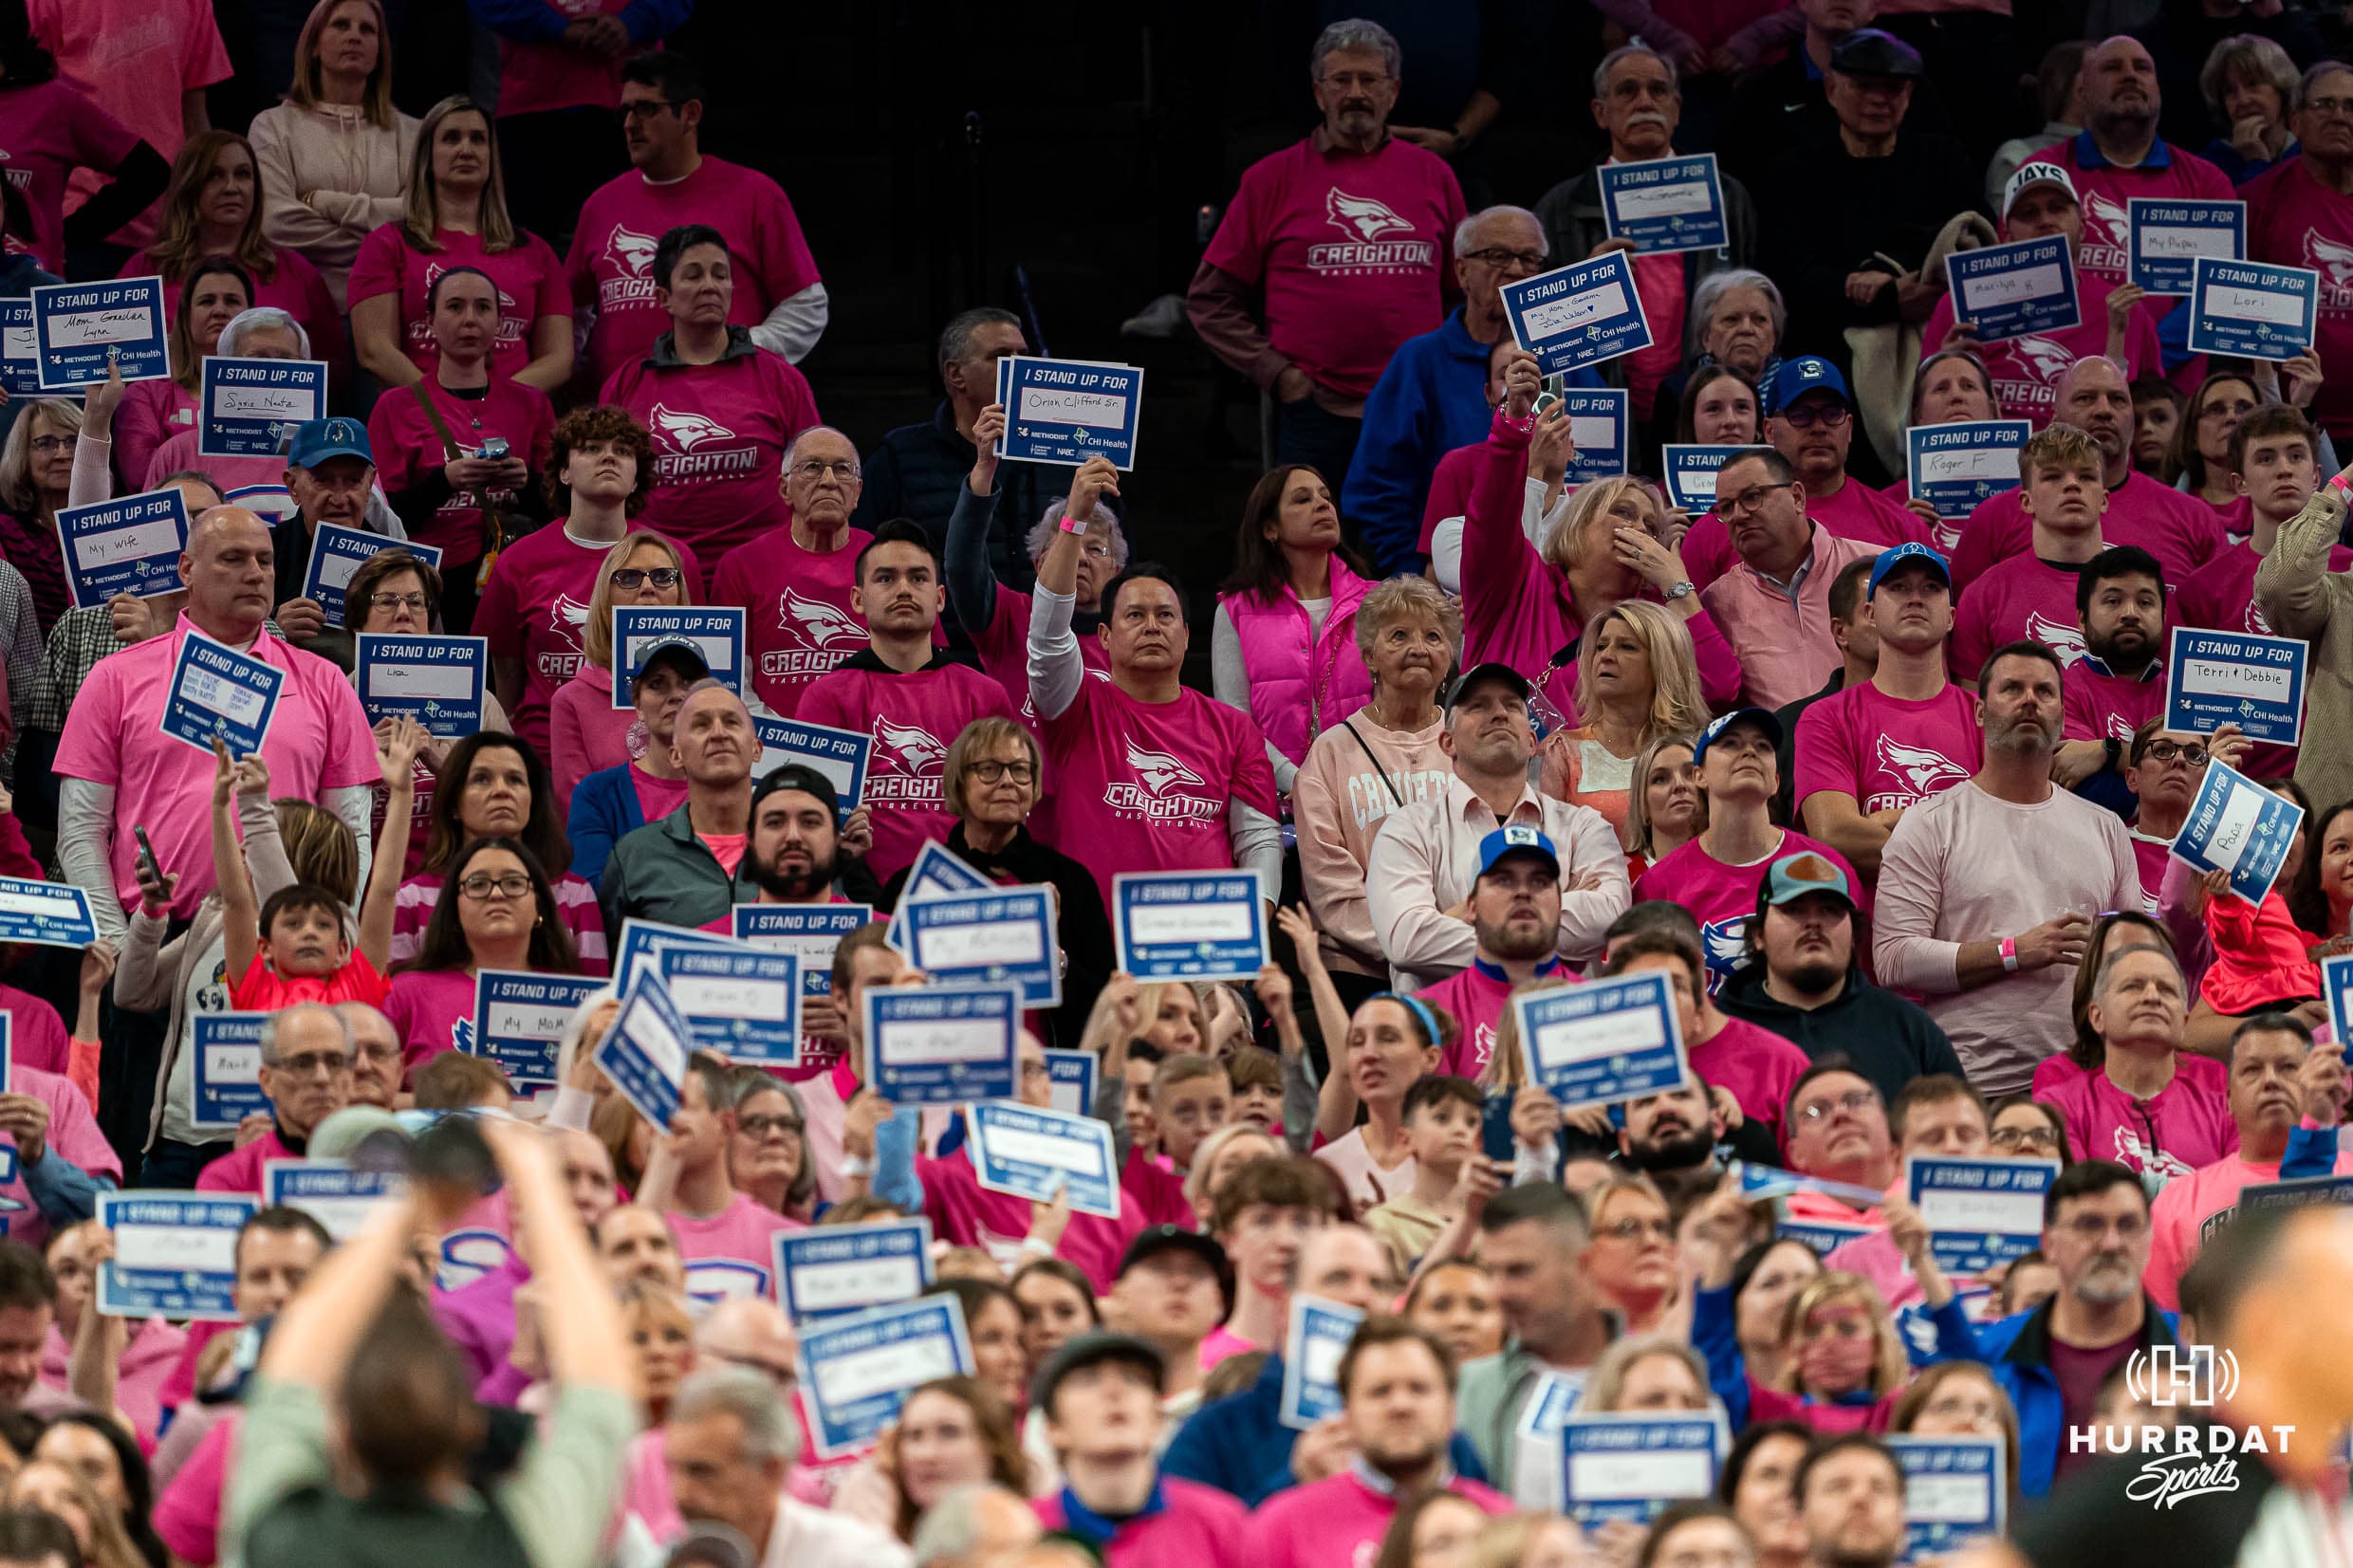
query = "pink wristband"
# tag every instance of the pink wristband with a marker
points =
(2010, 955)
(2341, 484)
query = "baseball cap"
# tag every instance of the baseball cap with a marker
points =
(339, 1136)
(1867, 51)
(1903, 555)
(1793, 876)
(710, 1544)
(1082, 1350)
(1516, 839)
(1764, 718)
(1492, 670)
(682, 651)
(802, 777)
(2031, 174)
(1169, 1238)
(316, 440)
(1808, 373)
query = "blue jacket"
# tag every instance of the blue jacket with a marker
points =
(604, 806)
(1240, 1446)
(1430, 399)
(2017, 1352)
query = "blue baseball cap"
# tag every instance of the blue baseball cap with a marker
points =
(316, 440)
(1804, 373)
(1516, 839)
(1764, 718)
(1793, 876)
(1902, 555)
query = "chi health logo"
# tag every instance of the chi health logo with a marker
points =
(2199, 1456)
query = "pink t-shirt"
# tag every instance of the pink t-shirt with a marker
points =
(47, 130)
(729, 1254)
(2151, 855)
(147, 1360)
(2180, 531)
(239, 1170)
(611, 264)
(587, 734)
(1886, 751)
(2101, 704)
(1723, 897)
(812, 627)
(152, 412)
(1143, 785)
(656, 798)
(912, 719)
(964, 1213)
(1339, 1521)
(1659, 281)
(2191, 1209)
(2165, 1138)
(1352, 250)
(1003, 649)
(319, 739)
(1757, 1065)
(2026, 370)
(408, 448)
(2220, 596)
(529, 279)
(37, 1036)
(719, 433)
(1856, 511)
(533, 609)
(2021, 597)
(1476, 997)
(2293, 218)
(576, 904)
(73, 1137)
(187, 1513)
(134, 57)
(1221, 1342)
(432, 1011)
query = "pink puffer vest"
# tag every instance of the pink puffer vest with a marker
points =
(1297, 690)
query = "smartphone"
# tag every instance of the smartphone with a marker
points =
(494, 447)
(1554, 385)
(147, 860)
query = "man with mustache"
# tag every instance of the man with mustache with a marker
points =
(1348, 237)
(2119, 685)
(2286, 1100)
(1672, 1136)
(1987, 891)
(2142, 1101)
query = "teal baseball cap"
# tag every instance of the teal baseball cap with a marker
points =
(1793, 876)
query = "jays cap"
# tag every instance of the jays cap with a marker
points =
(1903, 555)
(1867, 51)
(2030, 175)
(1793, 876)
(680, 651)
(802, 777)
(1492, 670)
(1093, 1348)
(1170, 1238)
(1764, 718)
(1808, 373)
(316, 440)
(1518, 839)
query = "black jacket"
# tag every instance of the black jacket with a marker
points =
(918, 470)
(1890, 1041)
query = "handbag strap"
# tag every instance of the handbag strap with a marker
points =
(440, 426)
(1361, 746)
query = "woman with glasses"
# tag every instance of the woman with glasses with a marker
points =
(993, 779)
(586, 732)
(1633, 1261)
(722, 408)
(2202, 445)
(36, 478)
(217, 291)
(768, 1154)
(495, 911)
(497, 790)
(2024, 1128)
(466, 447)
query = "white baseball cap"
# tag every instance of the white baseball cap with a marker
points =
(2036, 174)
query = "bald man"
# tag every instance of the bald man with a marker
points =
(2179, 529)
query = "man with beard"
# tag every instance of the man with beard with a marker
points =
(1802, 980)
(1987, 891)
(1672, 1137)
(2141, 1100)
(2052, 1360)
(906, 693)
(1879, 746)
(1757, 1069)
(1850, 1497)
(1396, 1390)
(2032, 594)
(2163, 769)
(2117, 687)
(1516, 919)
(2180, 531)
(1533, 1240)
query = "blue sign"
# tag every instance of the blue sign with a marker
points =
(744, 1004)
(2252, 310)
(1980, 1212)
(131, 545)
(78, 326)
(828, 1271)
(640, 938)
(1553, 1400)
(943, 1045)
(217, 692)
(1320, 1332)
(8, 1058)
(1187, 925)
(1603, 1041)
(2005, 291)
(2237, 825)
(1953, 1488)
(1823, 1236)
(333, 1192)
(856, 1372)
(936, 871)
(2337, 985)
(809, 933)
(1006, 934)
(438, 681)
(176, 1254)
(2303, 1194)
(49, 914)
(227, 1067)
(20, 360)
(1066, 411)
(1597, 427)
(1954, 467)
(1580, 314)
(1665, 204)
(1074, 1076)
(839, 755)
(519, 1020)
(251, 407)
(2170, 233)
(1631, 1467)
(1690, 473)
(2214, 678)
(644, 1052)
(716, 632)
(1761, 1183)
(711, 1280)
(1027, 1153)
(337, 552)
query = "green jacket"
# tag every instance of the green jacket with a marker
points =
(1488, 1397)
(663, 872)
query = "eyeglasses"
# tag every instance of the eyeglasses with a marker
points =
(760, 1127)
(49, 445)
(1634, 1230)
(332, 1062)
(2192, 756)
(1036, 1069)
(2328, 105)
(480, 889)
(645, 108)
(630, 578)
(2090, 1230)
(398, 601)
(1806, 417)
(1747, 501)
(1097, 548)
(1499, 258)
(989, 772)
(2024, 1137)
(1854, 1102)
(814, 469)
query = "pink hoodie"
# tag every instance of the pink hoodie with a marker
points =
(2184, 1126)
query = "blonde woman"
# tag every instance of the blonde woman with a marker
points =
(1633, 1261)
(455, 214)
(585, 733)
(1665, 806)
(334, 157)
(1647, 1371)
(1638, 679)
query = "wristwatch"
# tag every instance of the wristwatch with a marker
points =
(1681, 590)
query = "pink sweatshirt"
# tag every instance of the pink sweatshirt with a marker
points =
(2192, 1208)
(2260, 957)
(1343, 792)
(2184, 1126)
(1337, 1522)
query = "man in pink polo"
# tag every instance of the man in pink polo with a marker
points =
(2032, 594)
(1774, 601)
(1516, 917)
(2180, 531)
(305, 1075)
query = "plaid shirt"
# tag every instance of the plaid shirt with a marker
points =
(77, 642)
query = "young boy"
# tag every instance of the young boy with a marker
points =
(1257, 1079)
(295, 947)
(1442, 1117)
(1192, 1097)
(2032, 595)
(1265, 1213)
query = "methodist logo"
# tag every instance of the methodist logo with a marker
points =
(2199, 1456)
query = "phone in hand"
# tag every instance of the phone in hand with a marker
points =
(495, 448)
(147, 861)
(1554, 385)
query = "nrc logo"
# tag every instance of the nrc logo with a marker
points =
(2174, 1377)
